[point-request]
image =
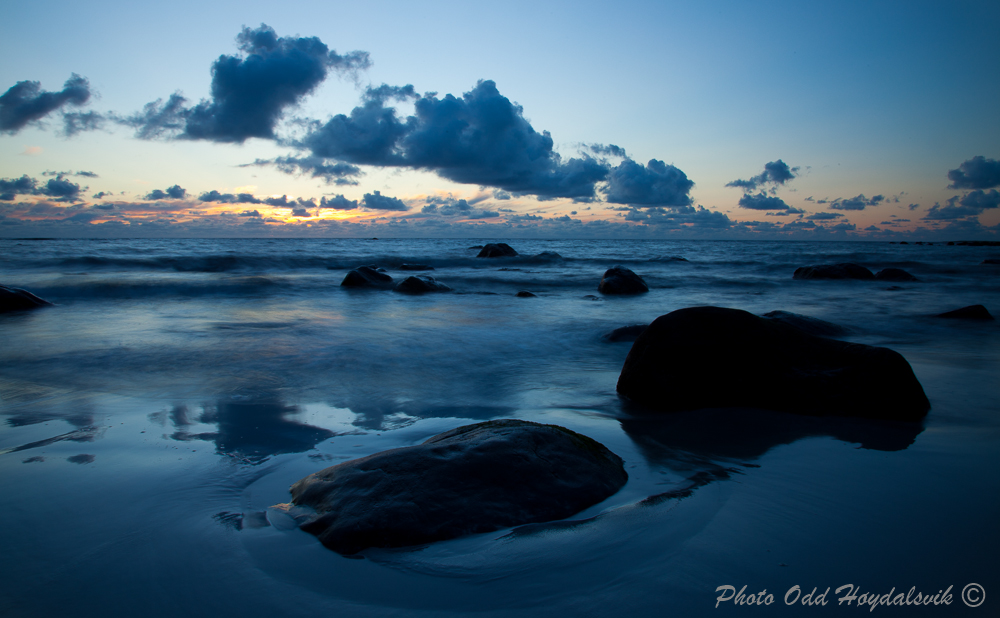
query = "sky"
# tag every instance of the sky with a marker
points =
(713, 119)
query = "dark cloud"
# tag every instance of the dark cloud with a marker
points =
(25, 102)
(300, 212)
(249, 213)
(251, 91)
(983, 200)
(450, 207)
(102, 194)
(775, 173)
(228, 198)
(11, 187)
(824, 216)
(339, 202)
(333, 173)
(61, 189)
(913, 206)
(78, 122)
(762, 201)
(976, 173)
(859, 202)
(174, 193)
(499, 194)
(377, 201)
(609, 150)
(680, 217)
(657, 184)
(281, 202)
(970, 205)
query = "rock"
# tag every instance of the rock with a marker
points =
(473, 479)
(366, 277)
(526, 294)
(620, 280)
(415, 267)
(991, 261)
(625, 333)
(16, 299)
(813, 326)
(499, 249)
(547, 256)
(711, 357)
(833, 271)
(972, 312)
(669, 258)
(418, 284)
(894, 274)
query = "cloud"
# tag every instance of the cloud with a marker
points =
(970, 205)
(680, 217)
(251, 91)
(25, 101)
(174, 193)
(976, 173)
(338, 202)
(78, 122)
(859, 202)
(300, 212)
(983, 200)
(377, 201)
(11, 187)
(609, 150)
(775, 173)
(249, 213)
(824, 216)
(61, 189)
(762, 201)
(228, 198)
(333, 173)
(913, 206)
(657, 184)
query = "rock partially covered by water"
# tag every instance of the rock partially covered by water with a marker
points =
(526, 294)
(415, 267)
(366, 277)
(711, 357)
(833, 271)
(894, 274)
(972, 312)
(500, 249)
(620, 280)
(473, 479)
(16, 299)
(625, 333)
(813, 326)
(418, 284)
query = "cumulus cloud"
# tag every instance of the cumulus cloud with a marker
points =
(976, 173)
(680, 217)
(609, 150)
(12, 187)
(333, 173)
(377, 201)
(657, 184)
(775, 173)
(61, 189)
(338, 202)
(859, 202)
(228, 198)
(250, 91)
(174, 193)
(763, 201)
(824, 216)
(26, 102)
(78, 122)
(970, 205)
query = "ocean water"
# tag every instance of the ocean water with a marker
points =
(178, 388)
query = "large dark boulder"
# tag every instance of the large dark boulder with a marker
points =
(418, 284)
(16, 299)
(366, 277)
(499, 249)
(711, 357)
(834, 271)
(972, 312)
(620, 280)
(473, 479)
(894, 274)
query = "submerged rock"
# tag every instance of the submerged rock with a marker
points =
(547, 255)
(711, 357)
(620, 280)
(415, 267)
(526, 294)
(16, 299)
(418, 284)
(625, 333)
(972, 312)
(366, 277)
(813, 326)
(993, 261)
(833, 271)
(894, 274)
(473, 479)
(499, 249)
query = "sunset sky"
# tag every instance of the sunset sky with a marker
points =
(849, 120)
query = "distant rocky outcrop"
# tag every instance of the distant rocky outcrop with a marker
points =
(499, 249)
(419, 284)
(894, 274)
(415, 267)
(473, 479)
(366, 277)
(833, 271)
(712, 357)
(813, 326)
(16, 299)
(972, 312)
(526, 294)
(620, 280)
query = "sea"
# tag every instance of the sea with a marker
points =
(178, 387)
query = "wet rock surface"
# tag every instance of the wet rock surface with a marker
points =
(972, 312)
(621, 280)
(834, 271)
(366, 277)
(420, 284)
(712, 357)
(473, 479)
(894, 274)
(813, 326)
(499, 249)
(16, 299)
